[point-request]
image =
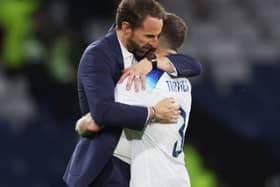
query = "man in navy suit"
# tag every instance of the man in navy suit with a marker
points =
(138, 25)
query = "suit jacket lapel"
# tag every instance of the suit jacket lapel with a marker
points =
(114, 46)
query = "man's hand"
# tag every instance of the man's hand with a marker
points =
(136, 74)
(165, 64)
(86, 125)
(166, 111)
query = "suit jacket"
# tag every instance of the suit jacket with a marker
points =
(99, 70)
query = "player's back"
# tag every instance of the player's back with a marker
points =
(157, 157)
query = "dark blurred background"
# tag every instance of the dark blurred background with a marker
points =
(233, 136)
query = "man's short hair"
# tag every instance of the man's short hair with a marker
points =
(135, 11)
(174, 31)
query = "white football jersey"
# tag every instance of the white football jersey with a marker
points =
(156, 153)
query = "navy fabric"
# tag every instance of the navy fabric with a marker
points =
(116, 173)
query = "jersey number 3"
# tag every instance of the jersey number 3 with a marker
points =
(177, 148)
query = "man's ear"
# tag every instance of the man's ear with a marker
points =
(126, 28)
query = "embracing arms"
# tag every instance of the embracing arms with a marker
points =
(97, 75)
(178, 65)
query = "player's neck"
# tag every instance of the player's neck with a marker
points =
(165, 52)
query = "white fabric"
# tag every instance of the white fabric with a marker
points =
(155, 158)
(122, 150)
(128, 57)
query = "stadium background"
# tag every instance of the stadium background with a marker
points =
(233, 136)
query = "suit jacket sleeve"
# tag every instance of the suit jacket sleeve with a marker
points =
(96, 75)
(186, 66)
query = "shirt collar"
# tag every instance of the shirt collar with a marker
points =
(125, 53)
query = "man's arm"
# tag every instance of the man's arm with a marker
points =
(86, 126)
(185, 66)
(96, 76)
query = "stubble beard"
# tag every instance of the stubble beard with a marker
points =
(135, 49)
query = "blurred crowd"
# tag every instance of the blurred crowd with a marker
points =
(234, 124)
